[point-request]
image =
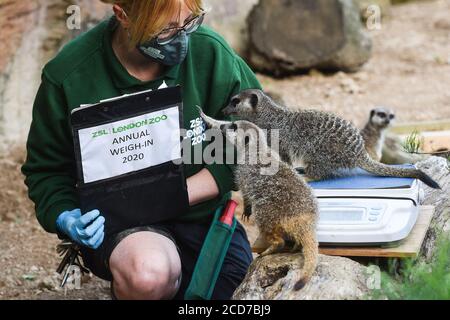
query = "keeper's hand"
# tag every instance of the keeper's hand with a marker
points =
(87, 230)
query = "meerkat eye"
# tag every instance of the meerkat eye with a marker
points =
(235, 102)
(382, 115)
(254, 100)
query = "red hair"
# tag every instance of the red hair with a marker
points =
(150, 17)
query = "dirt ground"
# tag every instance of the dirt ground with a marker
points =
(409, 72)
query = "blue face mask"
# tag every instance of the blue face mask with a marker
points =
(169, 54)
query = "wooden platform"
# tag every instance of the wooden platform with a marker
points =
(409, 247)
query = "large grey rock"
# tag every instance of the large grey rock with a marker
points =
(288, 36)
(273, 277)
(438, 169)
(229, 19)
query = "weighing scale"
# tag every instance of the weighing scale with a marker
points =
(363, 209)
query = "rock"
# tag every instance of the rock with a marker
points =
(315, 73)
(332, 36)
(273, 277)
(442, 24)
(438, 169)
(350, 86)
(401, 1)
(229, 19)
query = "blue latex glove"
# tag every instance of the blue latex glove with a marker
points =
(87, 230)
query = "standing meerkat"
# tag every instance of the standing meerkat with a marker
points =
(326, 144)
(375, 129)
(283, 204)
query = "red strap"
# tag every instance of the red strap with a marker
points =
(228, 213)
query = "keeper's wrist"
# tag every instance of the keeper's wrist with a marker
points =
(62, 222)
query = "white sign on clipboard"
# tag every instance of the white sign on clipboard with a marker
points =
(130, 145)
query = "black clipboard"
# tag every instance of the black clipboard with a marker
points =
(141, 197)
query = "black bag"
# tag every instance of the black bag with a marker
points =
(125, 166)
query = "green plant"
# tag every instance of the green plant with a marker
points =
(413, 142)
(419, 280)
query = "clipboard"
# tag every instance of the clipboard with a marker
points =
(129, 158)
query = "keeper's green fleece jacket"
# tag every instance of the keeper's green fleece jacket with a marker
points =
(86, 71)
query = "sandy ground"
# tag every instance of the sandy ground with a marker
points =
(409, 72)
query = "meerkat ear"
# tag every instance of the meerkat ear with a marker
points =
(254, 100)
(372, 113)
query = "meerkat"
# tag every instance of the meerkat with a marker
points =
(283, 204)
(374, 132)
(279, 100)
(327, 144)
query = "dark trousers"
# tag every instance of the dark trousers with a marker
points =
(188, 237)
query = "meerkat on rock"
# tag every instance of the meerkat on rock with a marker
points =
(374, 131)
(326, 144)
(282, 203)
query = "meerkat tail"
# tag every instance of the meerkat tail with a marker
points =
(310, 255)
(382, 169)
(303, 233)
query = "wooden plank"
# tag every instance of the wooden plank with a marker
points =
(433, 141)
(409, 247)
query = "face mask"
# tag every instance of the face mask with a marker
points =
(169, 54)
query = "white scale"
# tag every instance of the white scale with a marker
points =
(367, 216)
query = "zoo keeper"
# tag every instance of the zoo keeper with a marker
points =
(118, 57)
